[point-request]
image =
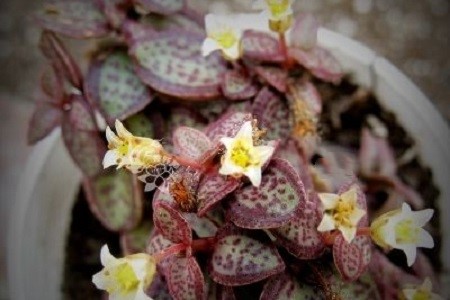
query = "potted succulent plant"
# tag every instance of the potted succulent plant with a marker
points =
(266, 172)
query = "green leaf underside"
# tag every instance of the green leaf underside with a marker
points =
(45, 118)
(285, 287)
(185, 279)
(274, 203)
(258, 45)
(140, 125)
(135, 240)
(212, 189)
(114, 200)
(75, 18)
(227, 125)
(273, 114)
(300, 236)
(362, 289)
(236, 86)
(171, 63)
(114, 88)
(164, 7)
(190, 142)
(352, 259)
(171, 223)
(240, 260)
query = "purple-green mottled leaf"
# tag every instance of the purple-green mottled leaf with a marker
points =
(52, 86)
(320, 62)
(163, 7)
(185, 279)
(135, 240)
(284, 287)
(300, 236)
(115, 197)
(352, 259)
(140, 125)
(183, 116)
(212, 189)
(202, 226)
(272, 113)
(61, 60)
(258, 45)
(157, 243)
(190, 142)
(114, 11)
(158, 289)
(45, 118)
(81, 137)
(304, 31)
(113, 87)
(274, 76)
(212, 110)
(171, 63)
(227, 125)
(171, 223)
(237, 86)
(279, 198)
(73, 18)
(239, 259)
(362, 289)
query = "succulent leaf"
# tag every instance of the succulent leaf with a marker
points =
(274, 76)
(261, 46)
(45, 118)
(284, 286)
(135, 240)
(171, 223)
(237, 86)
(190, 142)
(163, 7)
(226, 126)
(185, 279)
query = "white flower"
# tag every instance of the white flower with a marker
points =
(423, 292)
(242, 157)
(341, 212)
(402, 229)
(125, 278)
(276, 10)
(126, 150)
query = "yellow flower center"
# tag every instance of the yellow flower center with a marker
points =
(124, 279)
(422, 295)
(278, 7)
(226, 38)
(406, 232)
(243, 154)
(343, 211)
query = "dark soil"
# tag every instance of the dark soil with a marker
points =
(87, 235)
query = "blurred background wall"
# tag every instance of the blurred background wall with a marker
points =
(414, 35)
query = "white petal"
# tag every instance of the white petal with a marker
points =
(348, 233)
(410, 252)
(406, 209)
(329, 201)
(100, 280)
(141, 295)
(409, 293)
(234, 52)
(259, 4)
(110, 159)
(246, 132)
(227, 142)
(111, 136)
(228, 168)
(121, 296)
(350, 196)
(141, 265)
(326, 224)
(209, 45)
(105, 256)
(265, 152)
(121, 130)
(357, 215)
(425, 239)
(254, 174)
(422, 217)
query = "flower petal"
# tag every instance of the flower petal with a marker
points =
(326, 224)
(100, 280)
(425, 239)
(357, 214)
(254, 174)
(229, 168)
(111, 137)
(110, 159)
(227, 142)
(265, 152)
(209, 45)
(329, 201)
(410, 252)
(122, 131)
(349, 196)
(348, 233)
(141, 295)
(422, 217)
(246, 132)
(233, 52)
(106, 258)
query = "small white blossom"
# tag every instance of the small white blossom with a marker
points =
(242, 157)
(125, 278)
(341, 212)
(402, 229)
(423, 292)
(275, 10)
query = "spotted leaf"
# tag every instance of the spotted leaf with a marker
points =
(158, 289)
(202, 226)
(239, 259)
(171, 63)
(190, 142)
(274, 76)
(157, 243)
(212, 189)
(285, 286)
(135, 240)
(81, 137)
(171, 223)
(74, 18)
(261, 46)
(273, 114)
(352, 259)
(237, 86)
(140, 125)
(115, 197)
(320, 62)
(45, 118)
(227, 125)
(278, 199)
(113, 87)
(364, 288)
(186, 279)
(163, 7)
(300, 236)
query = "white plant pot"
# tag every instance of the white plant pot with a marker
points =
(41, 216)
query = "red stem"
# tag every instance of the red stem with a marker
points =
(204, 244)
